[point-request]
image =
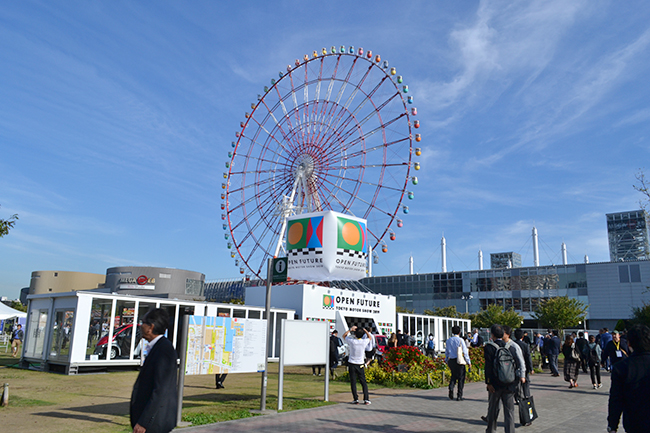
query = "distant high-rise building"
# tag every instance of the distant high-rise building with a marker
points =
(628, 235)
(505, 260)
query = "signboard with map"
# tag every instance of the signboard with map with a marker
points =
(218, 345)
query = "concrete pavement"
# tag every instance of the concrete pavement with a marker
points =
(560, 410)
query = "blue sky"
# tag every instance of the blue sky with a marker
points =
(116, 119)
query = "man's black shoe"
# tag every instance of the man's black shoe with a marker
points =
(451, 395)
(484, 418)
(459, 398)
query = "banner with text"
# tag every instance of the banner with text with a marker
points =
(325, 246)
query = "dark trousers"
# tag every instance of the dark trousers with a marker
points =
(219, 378)
(594, 369)
(552, 360)
(507, 397)
(457, 375)
(357, 371)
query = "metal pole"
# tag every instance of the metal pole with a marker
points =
(327, 364)
(269, 332)
(281, 366)
(182, 349)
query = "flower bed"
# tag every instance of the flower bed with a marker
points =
(407, 366)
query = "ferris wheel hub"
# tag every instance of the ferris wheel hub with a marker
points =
(304, 167)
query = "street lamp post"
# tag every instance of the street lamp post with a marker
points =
(466, 298)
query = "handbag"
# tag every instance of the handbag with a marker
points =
(460, 356)
(527, 412)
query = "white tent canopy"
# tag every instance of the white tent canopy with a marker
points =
(7, 312)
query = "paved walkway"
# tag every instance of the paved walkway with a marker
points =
(560, 409)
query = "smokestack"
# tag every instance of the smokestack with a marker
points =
(443, 248)
(564, 260)
(586, 258)
(535, 248)
(411, 265)
(480, 260)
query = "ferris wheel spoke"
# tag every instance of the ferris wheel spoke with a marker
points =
(366, 182)
(260, 126)
(372, 149)
(333, 195)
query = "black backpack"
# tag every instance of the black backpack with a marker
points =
(593, 355)
(504, 365)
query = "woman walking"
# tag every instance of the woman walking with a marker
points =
(571, 362)
(392, 341)
(592, 353)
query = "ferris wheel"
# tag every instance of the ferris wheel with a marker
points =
(331, 132)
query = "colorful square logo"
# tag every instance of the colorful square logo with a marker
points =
(352, 235)
(328, 301)
(305, 233)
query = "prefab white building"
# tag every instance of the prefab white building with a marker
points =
(68, 332)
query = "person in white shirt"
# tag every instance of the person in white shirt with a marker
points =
(456, 366)
(359, 343)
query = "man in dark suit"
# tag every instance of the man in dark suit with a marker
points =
(154, 399)
(630, 391)
(552, 348)
(528, 360)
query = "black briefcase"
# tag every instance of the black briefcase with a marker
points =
(527, 412)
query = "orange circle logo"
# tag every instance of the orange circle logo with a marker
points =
(295, 233)
(351, 233)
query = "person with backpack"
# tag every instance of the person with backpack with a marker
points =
(501, 365)
(592, 354)
(581, 343)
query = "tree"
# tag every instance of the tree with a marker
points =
(641, 314)
(495, 314)
(643, 187)
(561, 313)
(404, 310)
(446, 312)
(16, 305)
(7, 224)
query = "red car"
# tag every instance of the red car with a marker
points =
(121, 343)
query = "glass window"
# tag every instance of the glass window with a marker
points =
(239, 313)
(635, 274)
(253, 314)
(120, 347)
(223, 312)
(516, 304)
(525, 304)
(37, 333)
(61, 334)
(193, 287)
(623, 275)
(100, 318)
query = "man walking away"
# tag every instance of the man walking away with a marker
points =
(456, 363)
(581, 343)
(605, 338)
(431, 347)
(356, 362)
(528, 360)
(501, 380)
(629, 394)
(552, 346)
(154, 397)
